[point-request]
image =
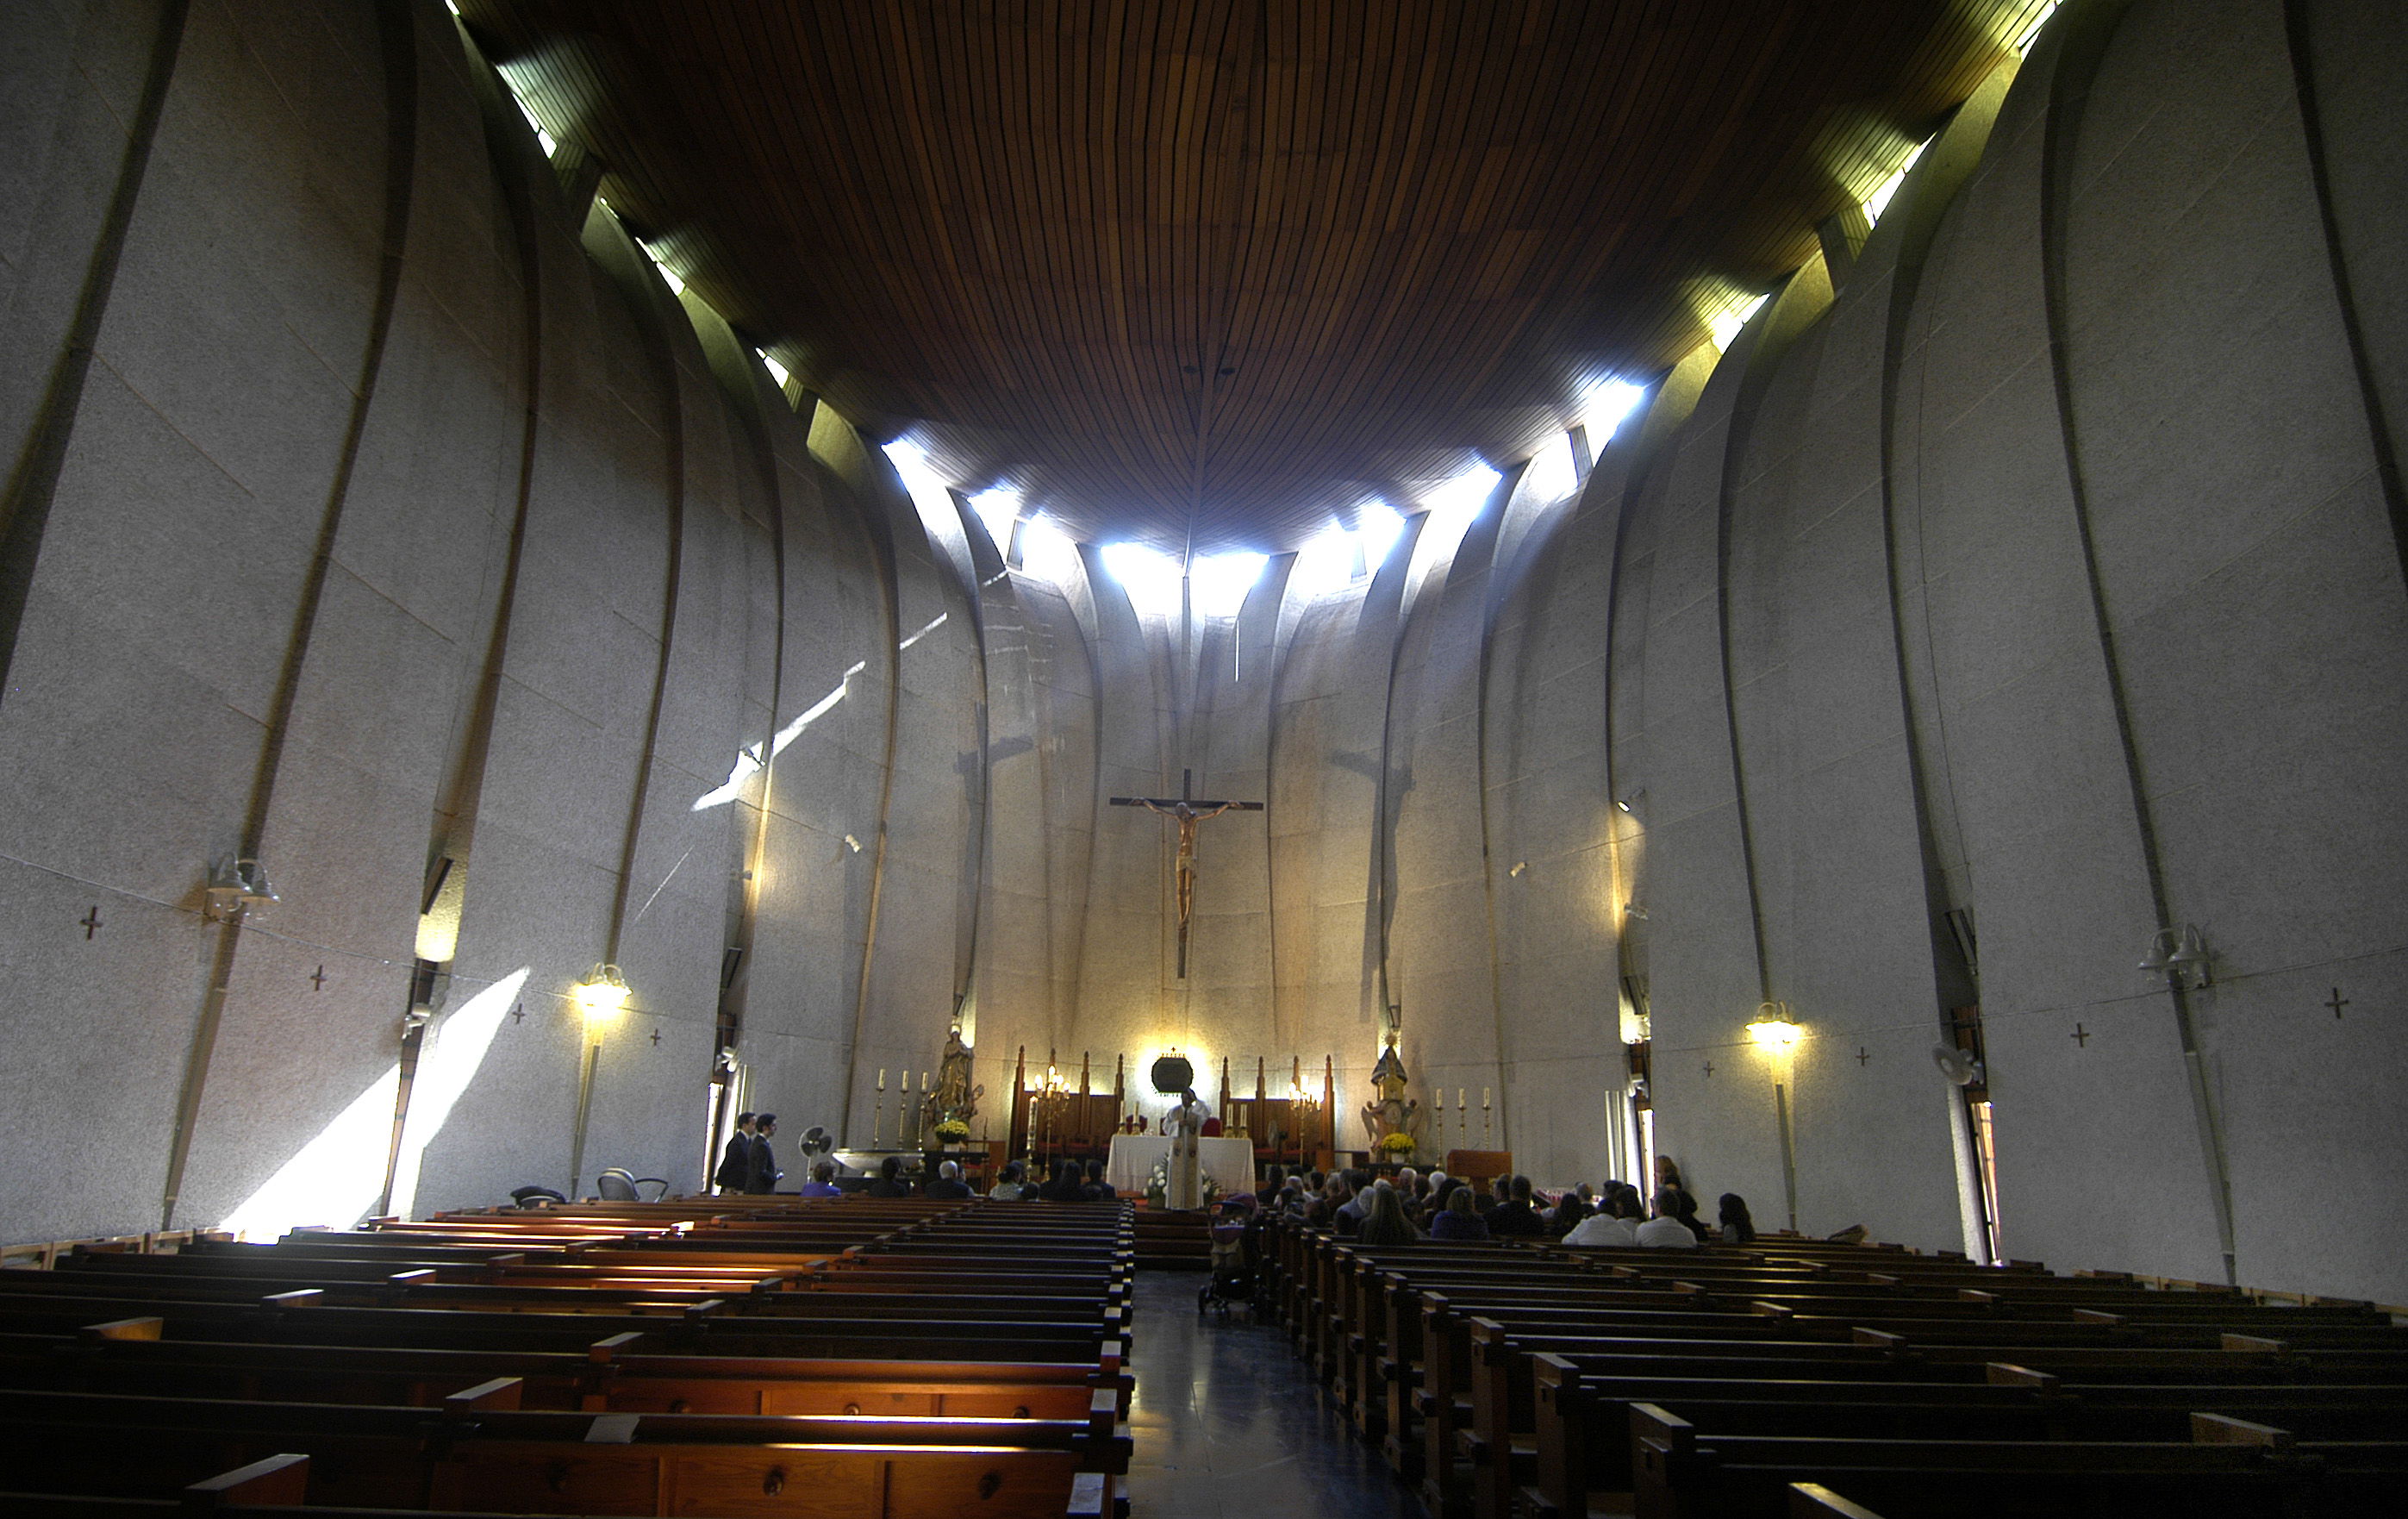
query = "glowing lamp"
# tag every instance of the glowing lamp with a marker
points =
(602, 996)
(1772, 1028)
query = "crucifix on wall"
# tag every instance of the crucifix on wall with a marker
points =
(1189, 813)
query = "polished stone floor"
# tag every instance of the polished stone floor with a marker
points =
(1227, 1424)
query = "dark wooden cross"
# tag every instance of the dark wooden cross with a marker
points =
(656, 1038)
(1188, 812)
(2080, 1036)
(1709, 1070)
(2337, 1003)
(1861, 1055)
(518, 1013)
(90, 921)
(317, 982)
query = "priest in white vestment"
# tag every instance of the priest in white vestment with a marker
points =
(1183, 1125)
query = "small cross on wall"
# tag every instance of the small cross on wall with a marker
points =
(2080, 1036)
(1709, 1069)
(90, 921)
(518, 1013)
(656, 1038)
(2337, 1003)
(318, 980)
(1862, 1055)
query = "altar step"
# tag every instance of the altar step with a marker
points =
(1173, 1239)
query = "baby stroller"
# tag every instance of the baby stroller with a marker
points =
(1233, 1262)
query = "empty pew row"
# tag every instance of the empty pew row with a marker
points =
(1507, 1378)
(500, 1394)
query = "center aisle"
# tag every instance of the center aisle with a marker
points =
(1227, 1424)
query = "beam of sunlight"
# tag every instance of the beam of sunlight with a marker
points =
(749, 759)
(1726, 326)
(1453, 507)
(1879, 200)
(748, 765)
(1150, 579)
(1218, 582)
(1377, 527)
(1047, 553)
(335, 1178)
(453, 1052)
(2031, 33)
(931, 496)
(816, 711)
(1326, 564)
(923, 633)
(1606, 405)
(1552, 475)
(998, 507)
(520, 79)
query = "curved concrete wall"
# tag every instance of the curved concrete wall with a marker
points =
(2041, 565)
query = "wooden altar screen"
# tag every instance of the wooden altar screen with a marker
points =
(1070, 1123)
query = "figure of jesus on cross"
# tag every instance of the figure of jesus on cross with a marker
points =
(1188, 812)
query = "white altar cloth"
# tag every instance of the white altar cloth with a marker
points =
(1225, 1160)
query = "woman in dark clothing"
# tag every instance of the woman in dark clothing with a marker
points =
(889, 1182)
(1688, 1216)
(1459, 1220)
(1737, 1228)
(1568, 1215)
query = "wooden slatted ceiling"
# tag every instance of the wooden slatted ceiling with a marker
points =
(1215, 270)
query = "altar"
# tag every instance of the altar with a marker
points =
(1227, 1161)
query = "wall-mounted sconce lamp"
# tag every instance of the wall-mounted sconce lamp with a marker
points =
(2179, 956)
(852, 843)
(1773, 1027)
(1777, 1033)
(1632, 909)
(236, 888)
(1630, 802)
(602, 996)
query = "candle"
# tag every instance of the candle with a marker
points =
(1484, 1096)
(881, 1078)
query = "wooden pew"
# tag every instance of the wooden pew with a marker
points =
(1686, 1474)
(606, 1377)
(478, 1451)
(727, 1359)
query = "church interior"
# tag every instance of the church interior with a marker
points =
(1817, 591)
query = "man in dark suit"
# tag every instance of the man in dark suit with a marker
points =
(735, 1173)
(764, 1165)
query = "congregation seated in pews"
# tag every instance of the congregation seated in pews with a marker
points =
(903, 1358)
(1581, 1367)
